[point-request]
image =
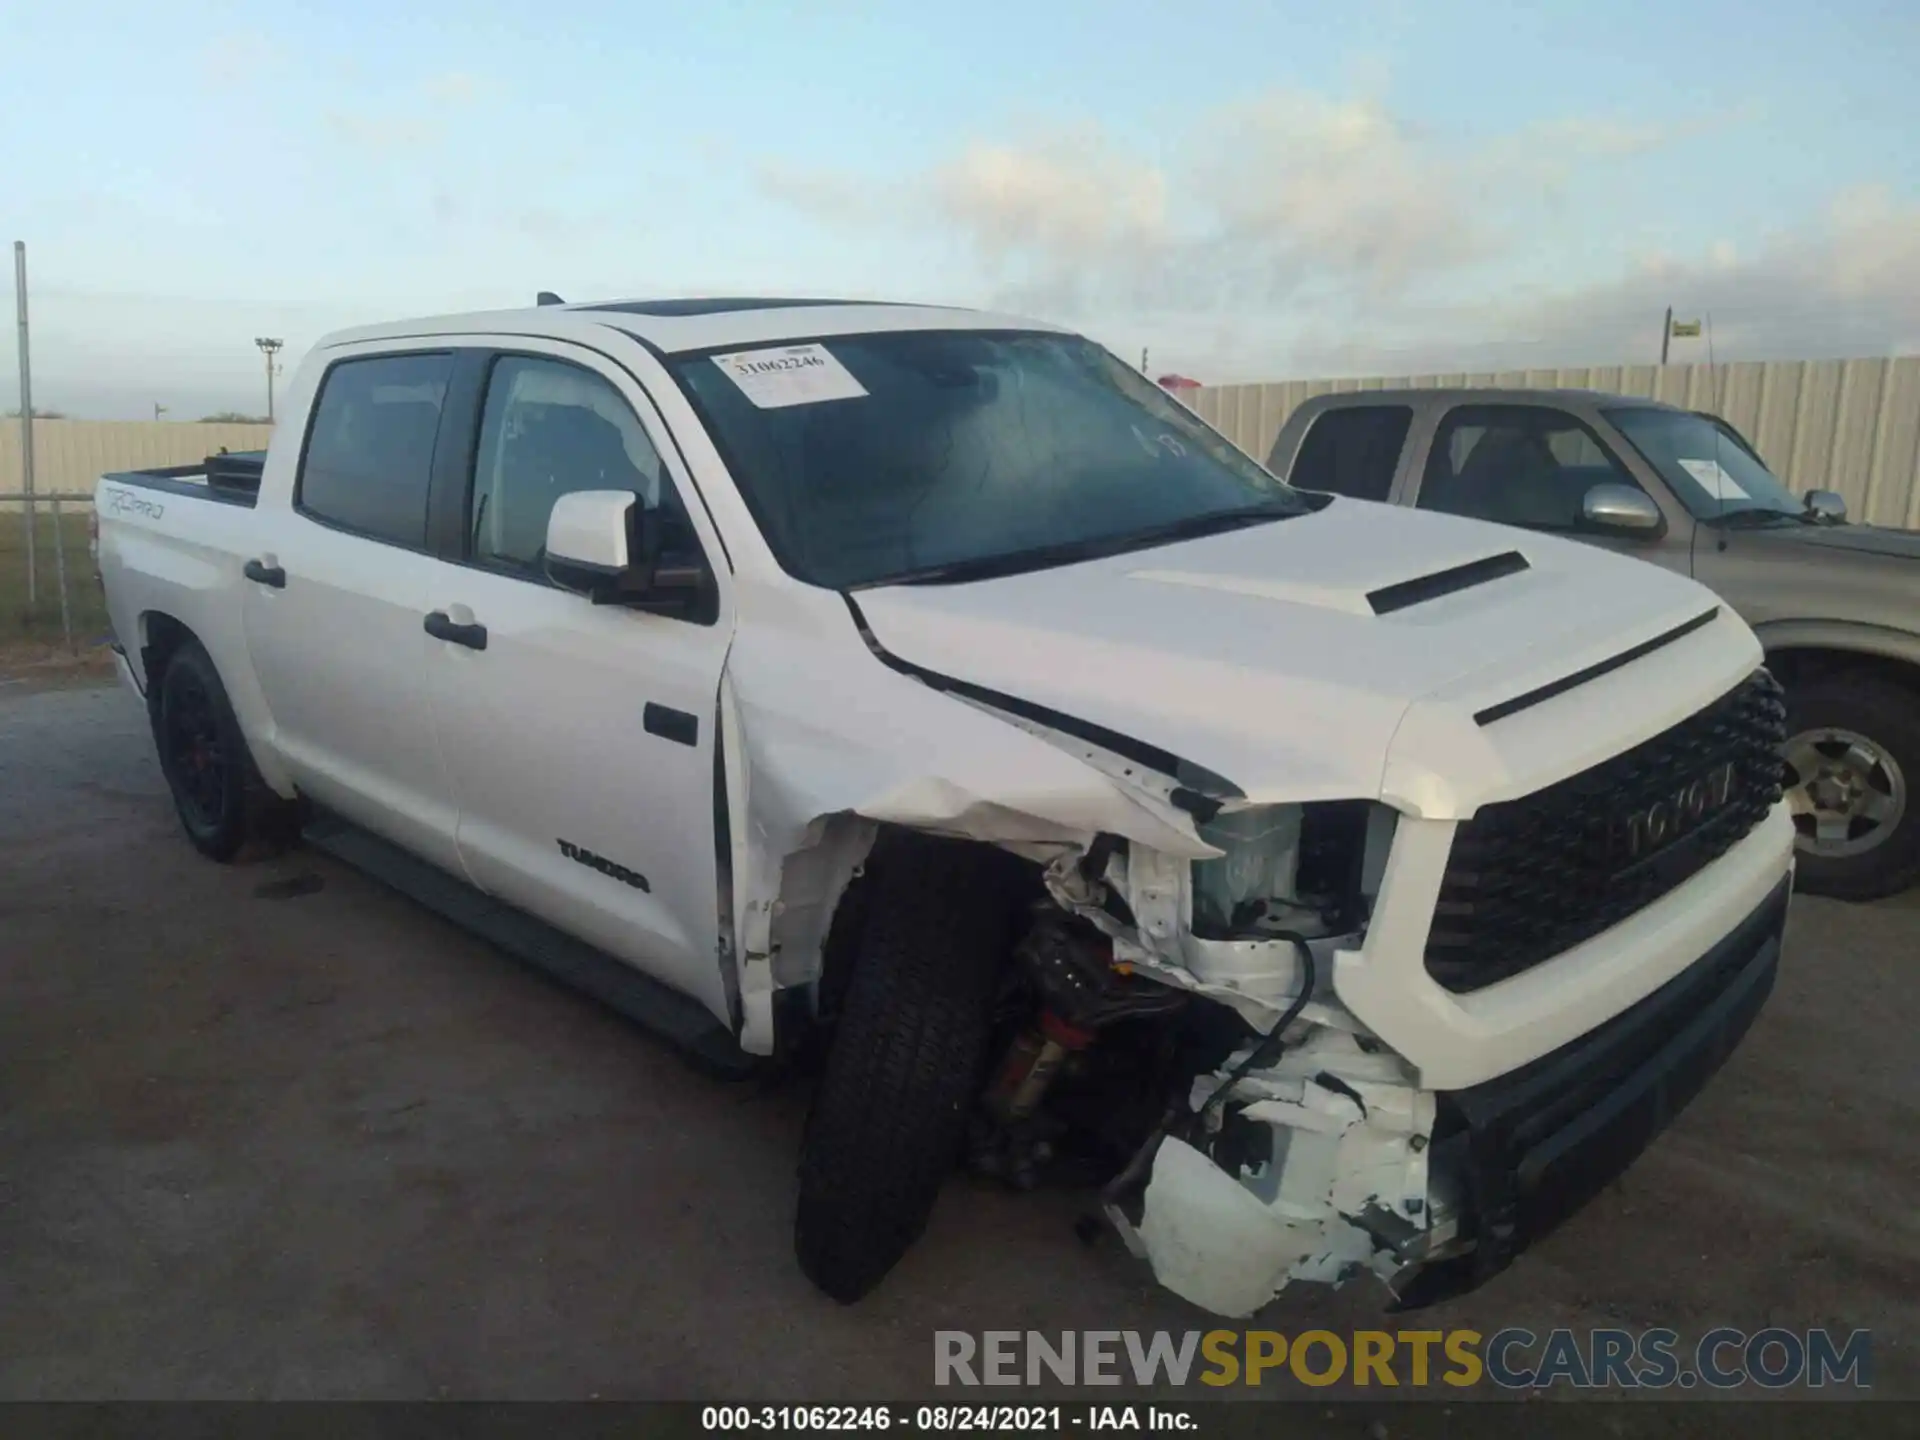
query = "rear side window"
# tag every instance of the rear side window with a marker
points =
(1353, 451)
(370, 452)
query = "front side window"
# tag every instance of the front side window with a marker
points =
(548, 429)
(369, 455)
(1353, 451)
(950, 455)
(1705, 463)
(1527, 465)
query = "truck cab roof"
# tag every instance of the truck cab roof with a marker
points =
(1479, 395)
(690, 324)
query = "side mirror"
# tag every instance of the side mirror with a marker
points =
(1620, 510)
(1827, 506)
(587, 539)
(606, 545)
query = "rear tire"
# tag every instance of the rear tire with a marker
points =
(907, 1060)
(224, 806)
(1866, 858)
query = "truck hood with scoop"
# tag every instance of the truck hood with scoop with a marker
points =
(1350, 653)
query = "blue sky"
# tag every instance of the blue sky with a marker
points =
(1253, 190)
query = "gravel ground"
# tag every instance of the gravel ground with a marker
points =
(272, 1132)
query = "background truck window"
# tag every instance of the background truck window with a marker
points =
(549, 429)
(1353, 451)
(1704, 461)
(369, 455)
(1528, 465)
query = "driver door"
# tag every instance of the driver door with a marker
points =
(579, 737)
(1532, 466)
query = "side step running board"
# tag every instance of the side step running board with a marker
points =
(681, 1021)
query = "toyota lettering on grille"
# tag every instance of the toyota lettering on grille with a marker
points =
(1672, 817)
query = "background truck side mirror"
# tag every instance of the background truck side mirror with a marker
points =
(1829, 506)
(1619, 510)
(606, 545)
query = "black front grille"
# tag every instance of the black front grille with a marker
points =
(1533, 877)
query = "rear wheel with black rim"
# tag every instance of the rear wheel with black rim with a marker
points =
(224, 806)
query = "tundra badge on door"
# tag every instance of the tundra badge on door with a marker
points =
(603, 865)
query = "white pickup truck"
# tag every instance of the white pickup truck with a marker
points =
(1358, 889)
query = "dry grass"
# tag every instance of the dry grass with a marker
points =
(29, 630)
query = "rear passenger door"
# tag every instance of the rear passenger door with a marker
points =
(336, 642)
(1353, 450)
(580, 737)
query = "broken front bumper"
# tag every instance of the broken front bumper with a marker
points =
(1436, 1192)
(1526, 1150)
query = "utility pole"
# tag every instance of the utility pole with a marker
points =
(269, 348)
(26, 419)
(1143, 359)
(158, 410)
(1666, 334)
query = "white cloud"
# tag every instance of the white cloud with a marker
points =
(826, 195)
(1292, 194)
(1305, 234)
(410, 122)
(1319, 190)
(381, 132)
(454, 87)
(1063, 196)
(240, 59)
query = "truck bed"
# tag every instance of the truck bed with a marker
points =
(159, 555)
(231, 478)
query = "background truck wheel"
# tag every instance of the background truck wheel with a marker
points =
(223, 804)
(1853, 756)
(907, 1059)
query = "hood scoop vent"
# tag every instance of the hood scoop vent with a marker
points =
(1408, 593)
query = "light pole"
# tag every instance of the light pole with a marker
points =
(269, 347)
(26, 421)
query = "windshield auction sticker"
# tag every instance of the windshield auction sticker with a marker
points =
(1713, 475)
(790, 375)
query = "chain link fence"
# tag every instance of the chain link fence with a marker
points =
(50, 597)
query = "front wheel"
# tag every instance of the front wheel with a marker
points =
(223, 804)
(1853, 758)
(890, 1114)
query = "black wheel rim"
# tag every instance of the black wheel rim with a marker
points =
(196, 758)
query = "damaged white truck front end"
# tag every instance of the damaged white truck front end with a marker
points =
(1386, 990)
(1336, 888)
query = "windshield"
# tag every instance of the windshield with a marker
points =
(949, 455)
(1707, 465)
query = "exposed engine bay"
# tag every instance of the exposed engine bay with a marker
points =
(1166, 1031)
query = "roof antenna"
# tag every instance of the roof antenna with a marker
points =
(547, 297)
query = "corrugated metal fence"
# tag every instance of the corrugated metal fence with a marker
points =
(69, 455)
(47, 595)
(1846, 425)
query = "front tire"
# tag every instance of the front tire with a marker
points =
(1854, 762)
(223, 804)
(907, 1060)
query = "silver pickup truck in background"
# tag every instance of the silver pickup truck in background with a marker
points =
(1836, 605)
